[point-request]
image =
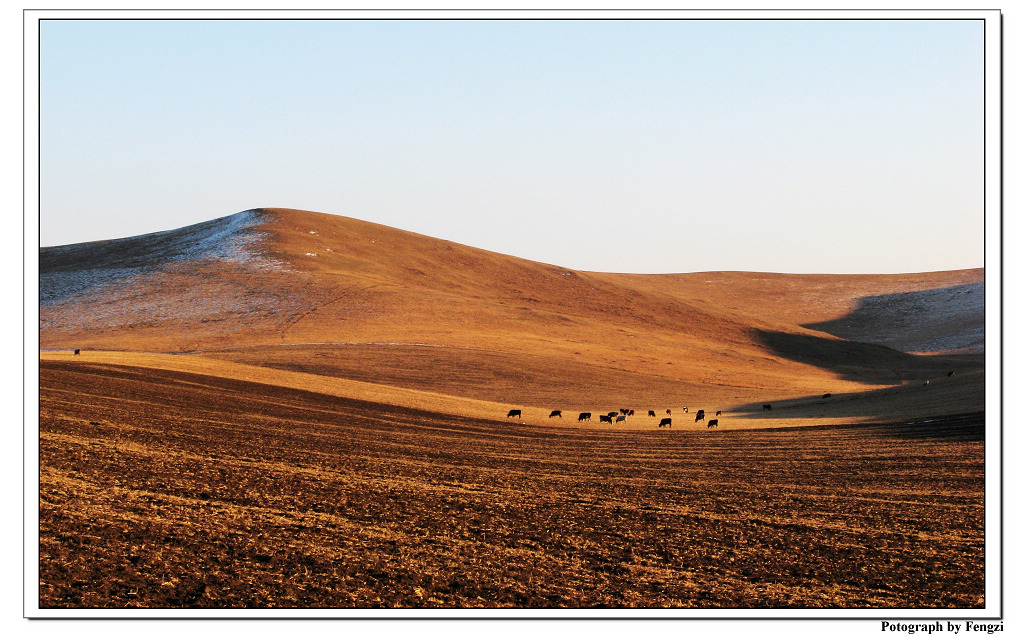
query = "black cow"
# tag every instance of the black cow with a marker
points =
(518, 413)
(78, 352)
(686, 410)
(623, 411)
(584, 416)
(665, 422)
(766, 407)
(826, 396)
(718, 413)
(621, 418)
(555, 413)
(607, 419)
(712, 423)
(669, 411)
(650, 412)
(612, 414)
(700, 417)
(629, 413)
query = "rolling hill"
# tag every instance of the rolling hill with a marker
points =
(341, 298)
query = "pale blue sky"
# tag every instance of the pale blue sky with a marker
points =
(629, 146)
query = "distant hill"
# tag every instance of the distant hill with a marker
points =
(950, 319)
(337, 296)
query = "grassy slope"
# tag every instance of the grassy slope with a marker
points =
(499, 328)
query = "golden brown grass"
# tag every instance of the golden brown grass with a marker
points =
(424, 386)
(477, 324)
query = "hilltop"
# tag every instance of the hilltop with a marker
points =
(338, 297)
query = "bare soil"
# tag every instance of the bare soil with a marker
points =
(164, 489)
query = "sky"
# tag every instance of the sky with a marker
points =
(684, 145)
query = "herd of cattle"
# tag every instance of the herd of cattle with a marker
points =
(620, 416)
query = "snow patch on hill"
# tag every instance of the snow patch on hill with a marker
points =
(938, 320)
(57, 286)
(105, 266)
(210, 280)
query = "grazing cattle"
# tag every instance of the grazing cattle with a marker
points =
(621, 418)
(584, 416)
(665, 422)
(718, 413)
(518, 413)
(949, 375)
(700, 417)
(712, 423)
(78, 352)
(623, 411)
(650, 412)
(766, 407)
(700, 412)
(612, 414)
(826, 396)
(607, 419)
(629, 413)
(555, 413)
(669, 411)
(686, 410)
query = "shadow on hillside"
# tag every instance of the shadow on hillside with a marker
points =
(966, 427)
(942, 319)
(959, 398)
(861, 362)
(963, 390)
(963, 427)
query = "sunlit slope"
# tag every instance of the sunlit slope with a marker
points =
(340, 297)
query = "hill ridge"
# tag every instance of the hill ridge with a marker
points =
(274, 276)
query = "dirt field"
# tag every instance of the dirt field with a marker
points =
(167, 489)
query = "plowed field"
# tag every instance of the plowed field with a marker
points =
(163, 489)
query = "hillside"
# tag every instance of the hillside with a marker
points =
(334, 296)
